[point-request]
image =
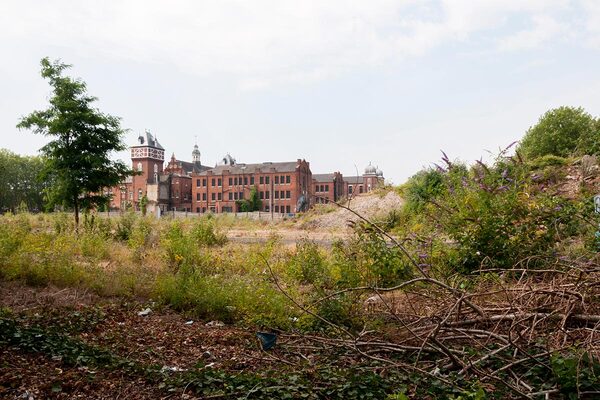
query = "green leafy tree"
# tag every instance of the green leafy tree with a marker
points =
(255, 203)
(83, 139)
(19, 181)
(563, 132)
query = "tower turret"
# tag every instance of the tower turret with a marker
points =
(196, 155)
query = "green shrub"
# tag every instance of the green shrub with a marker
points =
(422, 187)
(205, 233)
(562, 132)
(225, 298)
(368, 259)
(307, 265)
(63, 222)
(548, 160)
(124, 228)
(576, 372)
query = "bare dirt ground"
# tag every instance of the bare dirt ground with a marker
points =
(325, 223)
(162, 338)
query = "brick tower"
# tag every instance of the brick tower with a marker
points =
(147, 158)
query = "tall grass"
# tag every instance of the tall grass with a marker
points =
(190, 266)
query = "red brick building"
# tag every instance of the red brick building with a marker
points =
(328, 187)
(175, 190)
(371, 179)
(282, 187)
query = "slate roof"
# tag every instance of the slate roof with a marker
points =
(190, 167)
(323, 177)
(265, 167)
(146, 139)
(353, 180)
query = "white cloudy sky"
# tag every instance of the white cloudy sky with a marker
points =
(340, 83)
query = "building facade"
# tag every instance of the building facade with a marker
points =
(279, 187)
(328, 187)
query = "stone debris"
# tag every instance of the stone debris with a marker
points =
(144, 312)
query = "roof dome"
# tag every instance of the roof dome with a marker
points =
(379, 172)
(370, 170)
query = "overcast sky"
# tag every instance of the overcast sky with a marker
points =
(339, 83)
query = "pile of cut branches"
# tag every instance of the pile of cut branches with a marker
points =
(525, 332)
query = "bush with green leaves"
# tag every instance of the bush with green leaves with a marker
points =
(576, 372)
(205, 233)
(490, 215)
(308, 265)
(422, 187)
(369, 259)
(563, 131)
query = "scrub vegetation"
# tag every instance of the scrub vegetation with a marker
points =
(483, 285)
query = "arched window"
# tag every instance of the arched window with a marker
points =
(139, 167)
(155, 168)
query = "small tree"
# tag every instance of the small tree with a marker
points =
(79, 164)
(255, 203)
(144, 204)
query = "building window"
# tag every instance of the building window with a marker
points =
(261, 180)
(235, 196)
(288, 194)
(245, 180)
(241, 196)
(267, 195)
(219, 182)
(139, 194)
(252, 180)
(277, 194)
(287, 209)
(230, 181)
(282, 179)
(349, 189)
(327, 188)
(262, 195)
(139, 167)
(267, 180)
(267, 208)
(276, 208)
(235, 181)
(204, 197)
(212, 196)
(204, 182)
(230, 196)
(282, 194)
(219, 196)
(197, 182)
(288, 179)
(198, 196)
(197, 209)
